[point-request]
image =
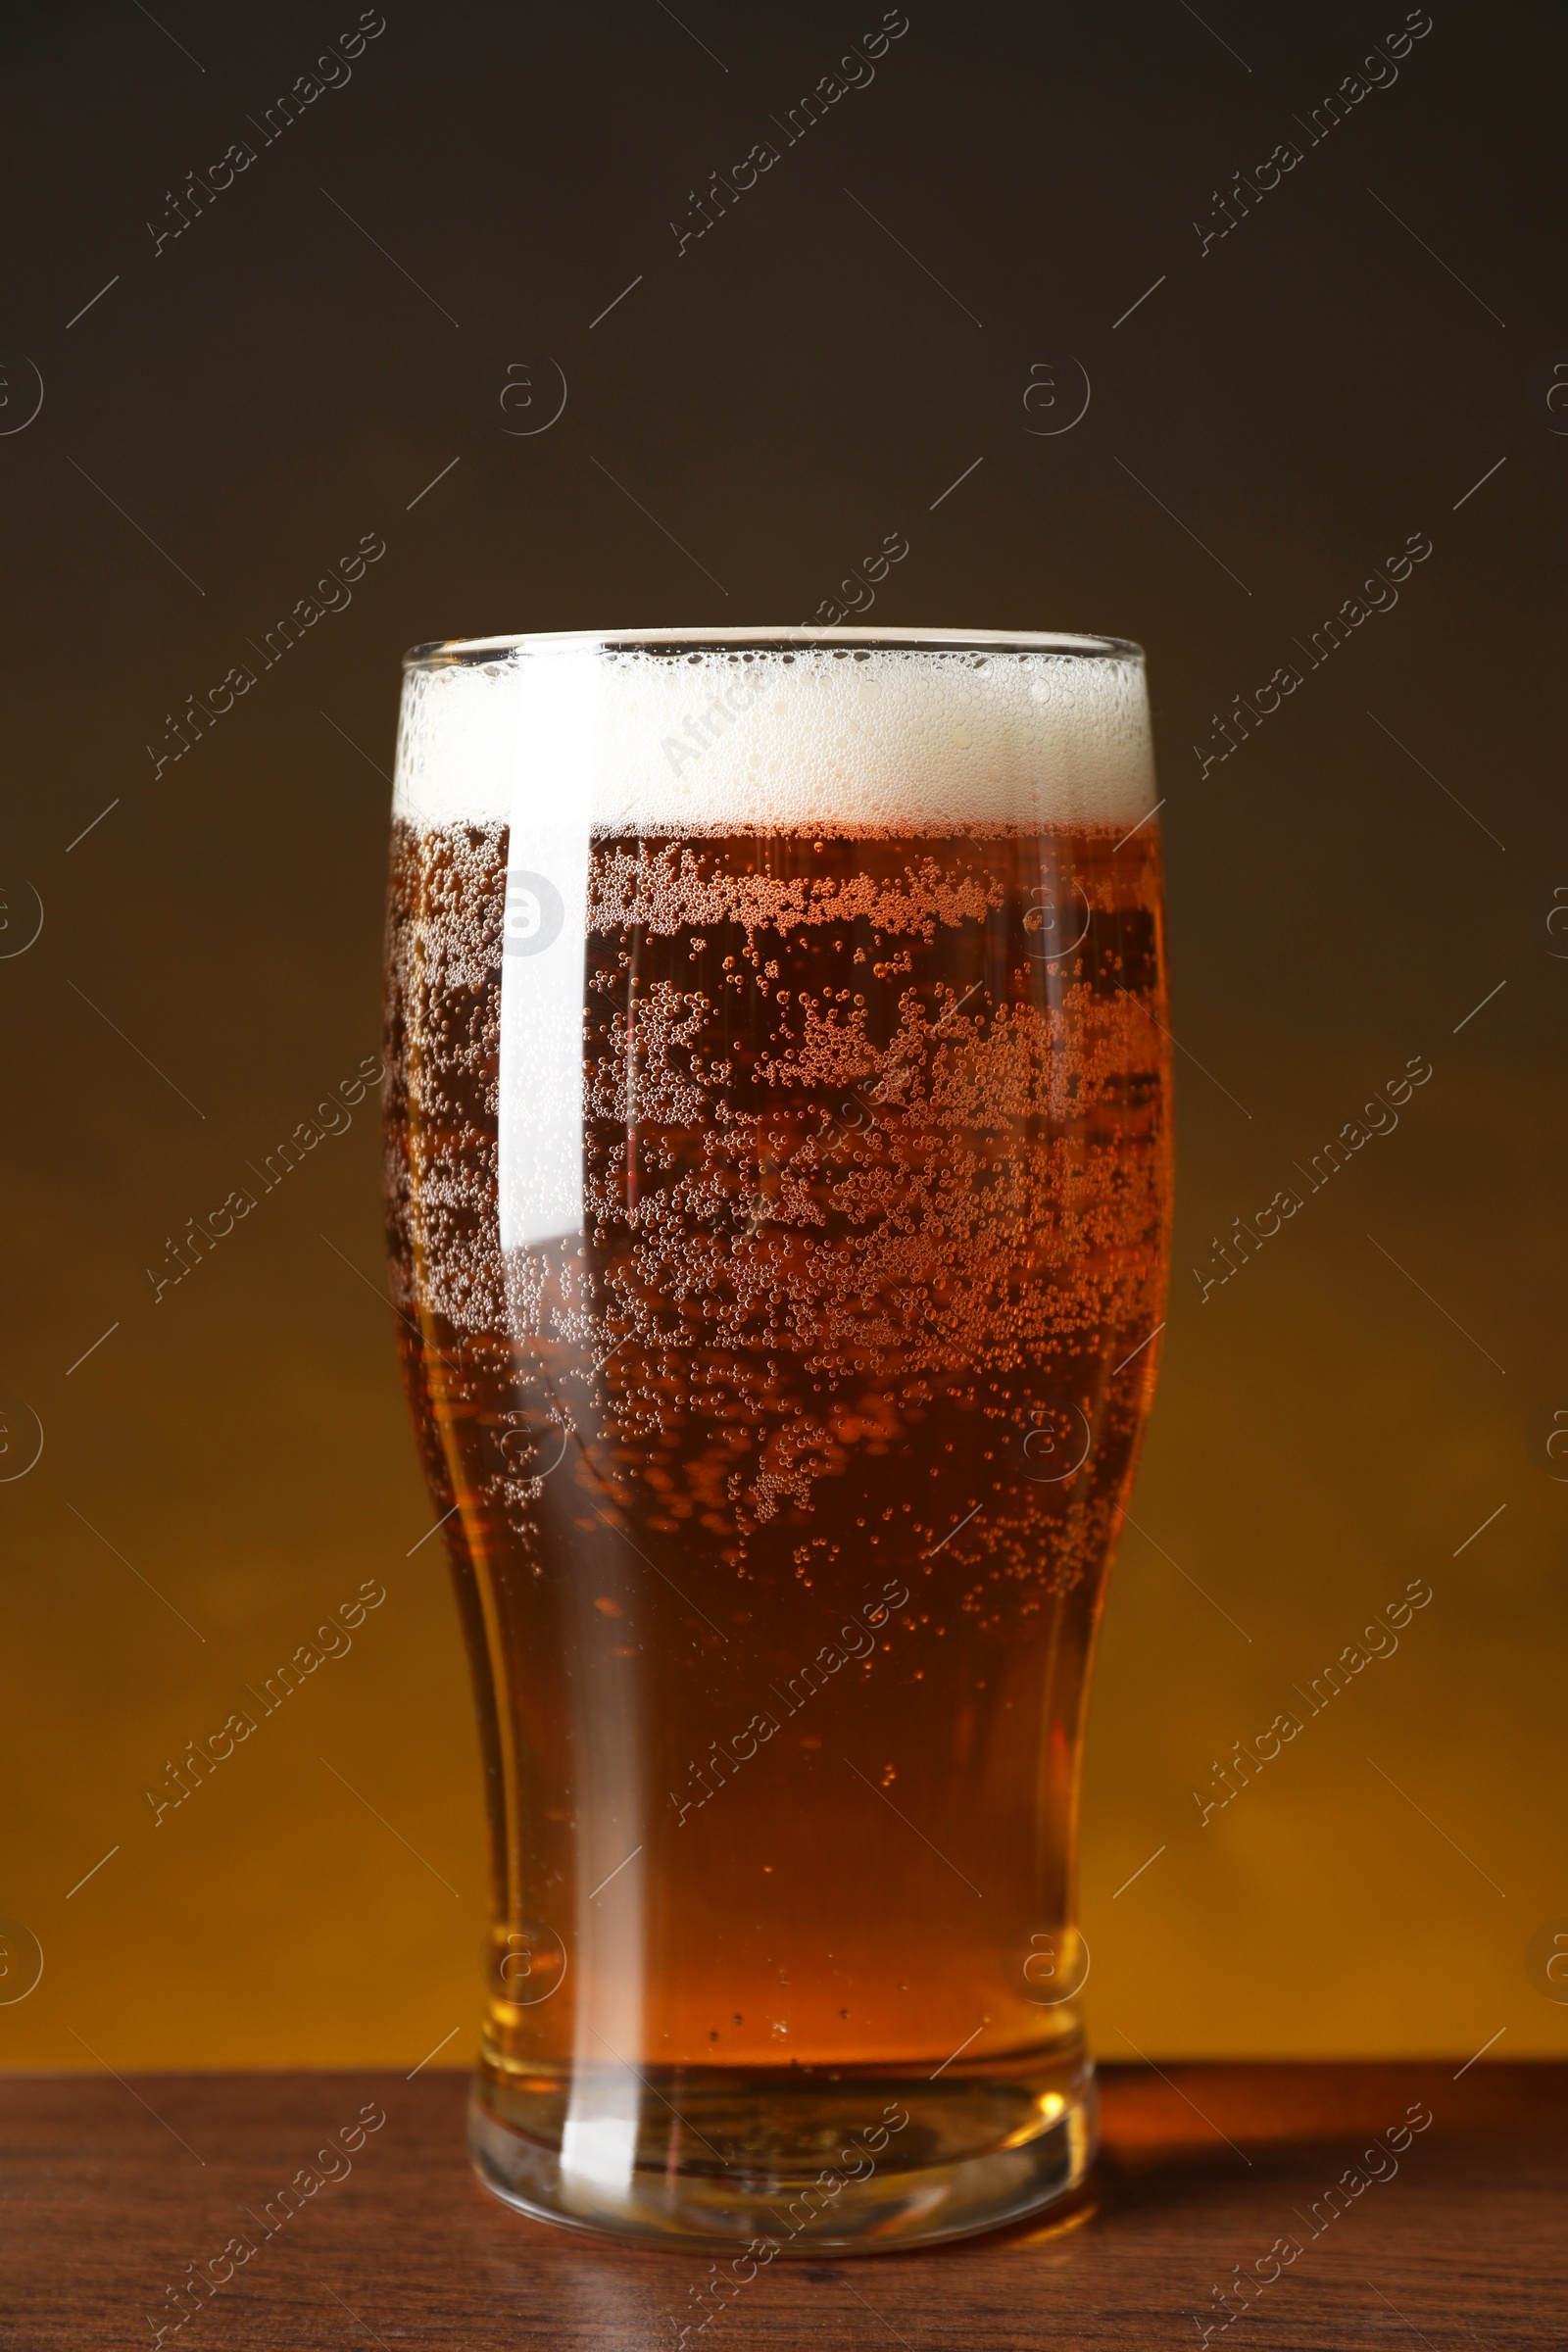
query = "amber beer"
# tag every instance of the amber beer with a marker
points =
(778, 1180)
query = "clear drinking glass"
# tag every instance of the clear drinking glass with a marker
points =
(779, 1183)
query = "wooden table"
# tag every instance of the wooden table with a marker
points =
(112, 2188)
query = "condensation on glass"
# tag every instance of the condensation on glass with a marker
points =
(778, 1175)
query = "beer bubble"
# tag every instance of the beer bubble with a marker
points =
(1547, 1960)
(1054, 1966)
(524, 394)
(1556, 918)
(20, 392)
(21, 1960)
(21, 1438)
(1048, 395)
(525, 1964)
(21, 915)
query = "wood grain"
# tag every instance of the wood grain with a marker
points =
(111, 2188)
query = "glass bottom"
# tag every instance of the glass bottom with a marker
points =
(863, 2161)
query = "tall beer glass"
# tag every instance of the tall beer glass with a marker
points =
(778, 1164)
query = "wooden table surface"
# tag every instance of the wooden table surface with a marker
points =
(113, 2189)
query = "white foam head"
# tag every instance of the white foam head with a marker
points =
(687, 731)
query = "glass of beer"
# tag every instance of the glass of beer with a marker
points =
(778, 1162)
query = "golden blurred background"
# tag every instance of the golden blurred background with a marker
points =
(320, 352)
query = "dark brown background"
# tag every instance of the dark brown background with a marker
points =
(272, 385)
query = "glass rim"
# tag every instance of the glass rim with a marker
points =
(446, 653)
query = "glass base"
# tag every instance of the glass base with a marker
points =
(865, 2161)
